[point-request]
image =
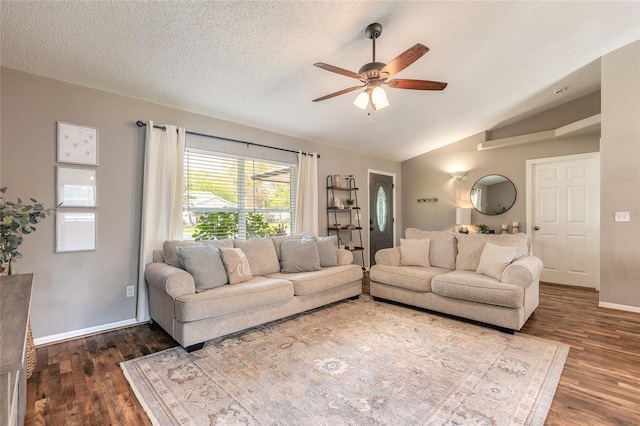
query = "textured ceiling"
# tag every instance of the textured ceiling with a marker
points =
(252, 62)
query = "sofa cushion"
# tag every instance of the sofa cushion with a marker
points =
(280, 238)
(470, 247)
(236, 264)
(204, 263)
(327, 278)
(414, 252)
(415, 278)
(328, 250)
(442, 249)
(228, 299)
(261, 255)
(299, 256)
(474, 287)
(169, 249)
(494, 260)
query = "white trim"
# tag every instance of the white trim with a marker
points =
(619, 307)
(529, 196)
(395, 201)
(85, 331)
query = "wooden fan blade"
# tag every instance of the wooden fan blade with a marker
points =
(403, 60)
(339, 70)
(401, 83)
(342, 92)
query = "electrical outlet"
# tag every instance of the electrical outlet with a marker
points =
(130, 291)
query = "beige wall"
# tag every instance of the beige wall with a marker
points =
(620, 177)
(77, 291)
(428, 175)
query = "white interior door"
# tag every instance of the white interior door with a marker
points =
(564, 218)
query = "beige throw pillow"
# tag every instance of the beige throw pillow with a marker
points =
(414, 252)
(236, 264)
(495, 259)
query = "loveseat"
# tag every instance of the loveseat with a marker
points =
(206, 289)
(487, 278)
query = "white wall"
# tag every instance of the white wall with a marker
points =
(620, 178)
(87, 291)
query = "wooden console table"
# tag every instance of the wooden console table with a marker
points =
(15, 301)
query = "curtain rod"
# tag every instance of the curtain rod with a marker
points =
(155, 126)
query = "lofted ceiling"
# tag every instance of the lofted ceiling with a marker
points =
(252, 62)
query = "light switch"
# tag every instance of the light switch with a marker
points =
(622, 217)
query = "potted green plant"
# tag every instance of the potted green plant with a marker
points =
(484, 229)
(16, 220)
(350, 202)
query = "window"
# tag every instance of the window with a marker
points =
(227, 196)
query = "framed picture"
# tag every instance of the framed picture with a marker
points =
(76, 187)
(75, 231)
(77, 144)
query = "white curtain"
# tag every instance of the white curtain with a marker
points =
(307, 194)
(161, 199)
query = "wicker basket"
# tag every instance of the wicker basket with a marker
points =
(31, 352)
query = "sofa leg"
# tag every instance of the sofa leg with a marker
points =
(354, 297)
(195, 347)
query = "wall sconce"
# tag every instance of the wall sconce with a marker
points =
(458, 175)
(463, 217)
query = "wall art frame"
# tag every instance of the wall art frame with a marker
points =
(77, 144)
(76, 187)
(76, 231)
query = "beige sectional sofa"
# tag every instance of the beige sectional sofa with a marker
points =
(191, 299)
(464, 276)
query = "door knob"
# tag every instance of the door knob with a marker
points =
(371, 228)
(535, 228)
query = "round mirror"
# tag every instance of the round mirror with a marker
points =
(493, 194)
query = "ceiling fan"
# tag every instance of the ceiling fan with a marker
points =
(376, 74)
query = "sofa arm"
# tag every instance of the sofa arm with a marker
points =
(345, 257)
(388, 256)
(523, 271)
(173, 281)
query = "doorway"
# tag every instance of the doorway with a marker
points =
(563, 217)
(381, 213)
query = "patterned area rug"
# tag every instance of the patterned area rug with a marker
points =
(354, 363)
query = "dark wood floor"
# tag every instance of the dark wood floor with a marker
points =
(79, 382)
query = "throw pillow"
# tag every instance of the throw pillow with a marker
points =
(470, 247)
(414, 252)
(278, 239)
(442, 249)
(261, 255)
(236, 264)
(299, 256)
(495, 259)
(170, 253)
(327, 250)
(204, 263)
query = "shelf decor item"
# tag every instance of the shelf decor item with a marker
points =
(349, 202)
(337, 181)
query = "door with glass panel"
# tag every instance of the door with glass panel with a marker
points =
(380, 214)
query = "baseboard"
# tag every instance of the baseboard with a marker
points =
(619, 307)
(54, 338)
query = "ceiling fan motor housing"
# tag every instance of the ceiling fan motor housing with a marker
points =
(371, 70)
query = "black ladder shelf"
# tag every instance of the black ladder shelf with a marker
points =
(338, 214)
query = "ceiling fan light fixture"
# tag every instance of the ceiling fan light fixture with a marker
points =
(362, 100)
(379, 98)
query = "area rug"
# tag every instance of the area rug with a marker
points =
(354, 363)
